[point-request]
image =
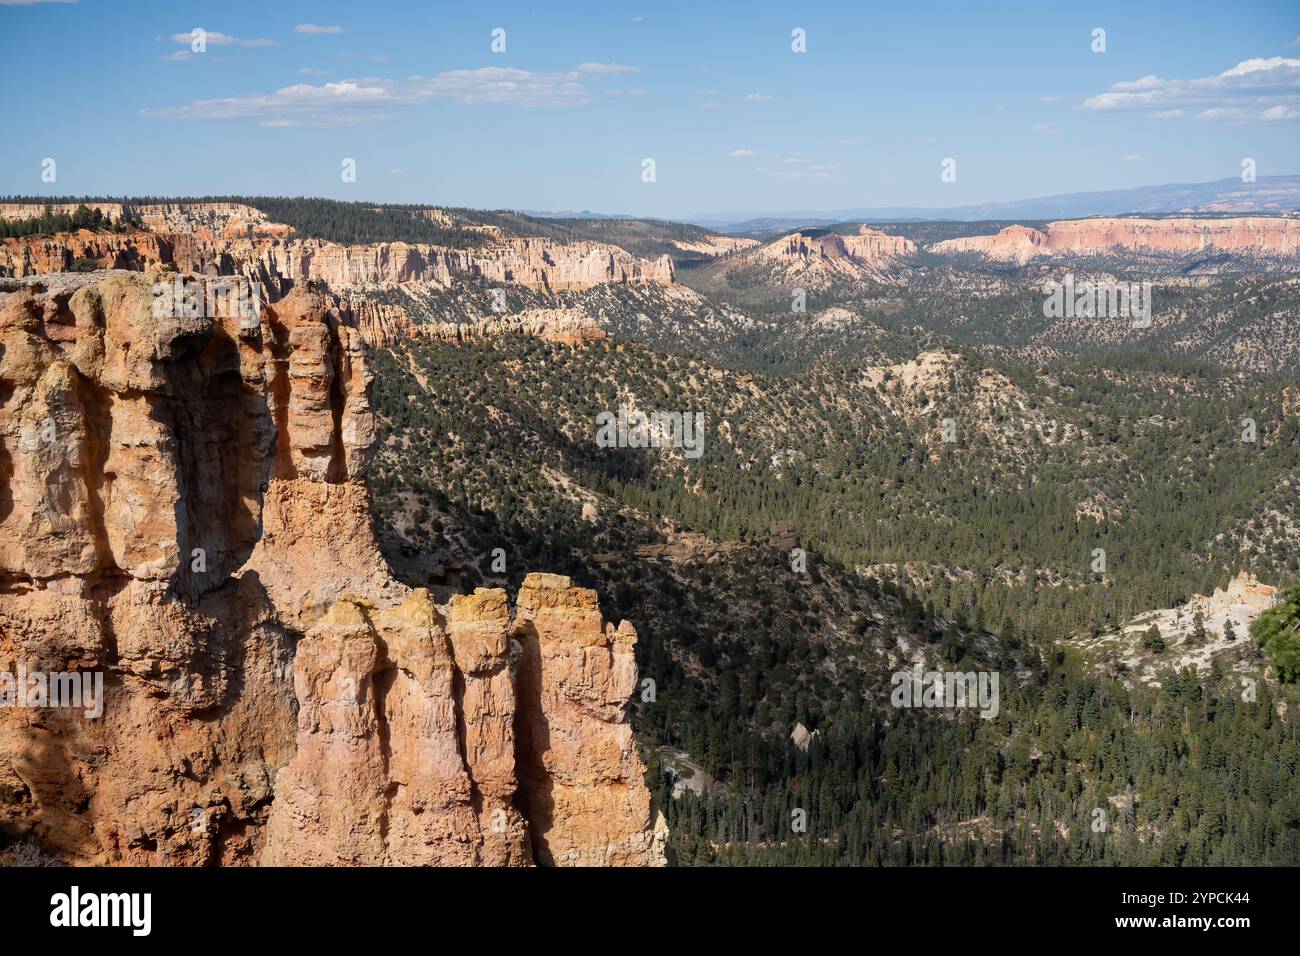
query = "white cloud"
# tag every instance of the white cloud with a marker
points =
(350, 102)
(757, 97)
(1132, 158)
(1294, 43)
(216, 38)
(606, 69)
(741, 152)
(179, 56)
(1271, 115)
(1049, 128)
(1261, 88)
(316, 28)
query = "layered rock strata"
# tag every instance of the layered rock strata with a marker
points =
(1268, 237)
(182, 512)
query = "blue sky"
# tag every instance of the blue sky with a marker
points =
(584, 92)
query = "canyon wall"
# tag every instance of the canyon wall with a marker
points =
(233, 239)
(183, 513)
(1268, 237)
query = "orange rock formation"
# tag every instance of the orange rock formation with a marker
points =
(183, 511)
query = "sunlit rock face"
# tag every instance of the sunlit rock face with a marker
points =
(183, 512)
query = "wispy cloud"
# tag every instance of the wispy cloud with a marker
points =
(215, 38)
(351, 102)
(1271, 115)
(1262, 88)
(757, 97)
(741, 152)
(317, 28)
(606, 69)
(1048, 128)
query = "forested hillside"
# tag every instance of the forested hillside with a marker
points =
(972, 554)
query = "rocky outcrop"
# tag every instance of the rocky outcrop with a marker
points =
(1225, 619)
(583, 790)
(867, 245)
(183, 514)
(817, 258)
(565, 326)
(1267, 237)
(381, 325)
(209, 220)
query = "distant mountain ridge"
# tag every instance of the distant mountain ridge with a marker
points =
(1268, 194)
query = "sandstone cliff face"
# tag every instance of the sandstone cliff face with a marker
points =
(231, 239)
(1256, 236)
(216, 241)
(576, 673)
(182, 511)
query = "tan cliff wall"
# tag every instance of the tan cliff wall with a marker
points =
(280, 262)
(213, 243)
(1251, 235)
(183, 512)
